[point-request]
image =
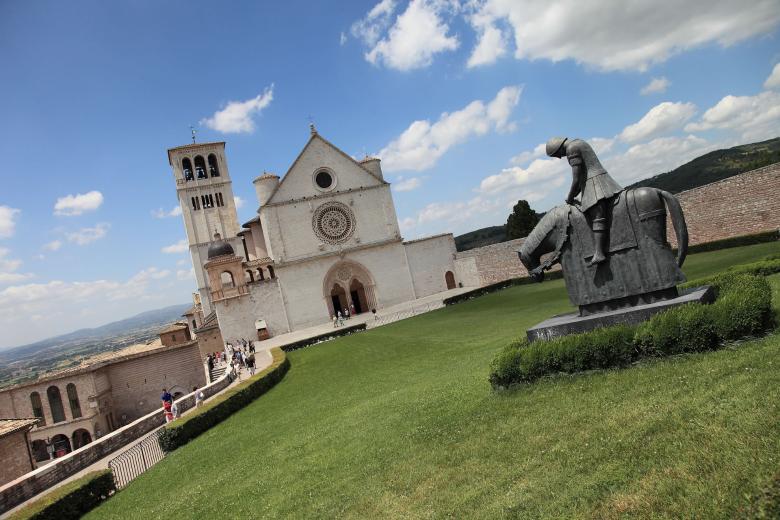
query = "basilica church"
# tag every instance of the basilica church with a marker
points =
(325, 239)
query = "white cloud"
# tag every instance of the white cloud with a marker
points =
(72, 205)
(87, 235)
(179, 247)
(662, 118)
(161, 213)
(491, 46)
(9, 268)
(342, 39)
(238, 201)
(753, 117)
(656, 86)
(407, 224)
(659, 155)
(417, 35)
(539, 171)
(185, 274)
(528, 155)
(236, 117)
(632, 36)
(370, 28)
(149, 274)
(54, 245)
(773, 81)
(412, 183)
(8, 221)
(421, 145)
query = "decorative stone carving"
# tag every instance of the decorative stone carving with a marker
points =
(333, 222)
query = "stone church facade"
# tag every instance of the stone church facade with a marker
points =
(325, 239)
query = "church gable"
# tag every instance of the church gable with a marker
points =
(322, 169)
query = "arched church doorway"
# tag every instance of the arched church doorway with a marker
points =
(450, 279)
(357, 295)
(338, 299)
(348, 284)
(61, 445)
(81, 437)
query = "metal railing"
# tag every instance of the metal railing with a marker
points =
(137, 459)
(402, 315)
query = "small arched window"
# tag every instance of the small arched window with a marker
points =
(213, 167)
(186, 167)
(73, 399)
(200, 167)
(55, 404)
(37, 407)
(227, 279)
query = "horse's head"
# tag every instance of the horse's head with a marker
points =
(548, 236)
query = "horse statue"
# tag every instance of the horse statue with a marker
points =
(640, 265)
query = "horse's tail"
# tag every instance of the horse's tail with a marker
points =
(678, 221)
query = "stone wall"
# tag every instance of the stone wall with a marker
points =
(16, 456)
(490, 264)
(429, 260)
(35, 482)
(137, 383)
(237, 316)
(740, 205)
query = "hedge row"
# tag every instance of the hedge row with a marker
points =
(743, 308)
(336, 333)
(487, 289)
(742, 240)
(72, 500)
(181, 431)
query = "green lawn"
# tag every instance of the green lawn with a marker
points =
(400, 422)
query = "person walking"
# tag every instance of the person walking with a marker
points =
(166, 397)
(199, 397)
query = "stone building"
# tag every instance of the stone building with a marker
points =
(174, 334)
(15, 447)
(325, 240)
(75, 406)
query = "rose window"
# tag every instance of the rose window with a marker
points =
(333, 222)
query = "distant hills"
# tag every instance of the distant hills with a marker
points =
(710, 167)
(716, 166)
(144, 321)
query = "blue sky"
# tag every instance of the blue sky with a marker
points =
(456, 98)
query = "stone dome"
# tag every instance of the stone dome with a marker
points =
(219, 248)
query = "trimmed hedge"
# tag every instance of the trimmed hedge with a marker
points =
(739, 241)
(743, 308)
(487, 289)
(72, 500)
(181, 431)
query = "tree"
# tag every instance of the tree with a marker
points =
(521, 221)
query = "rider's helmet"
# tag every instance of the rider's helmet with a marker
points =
(554, 145)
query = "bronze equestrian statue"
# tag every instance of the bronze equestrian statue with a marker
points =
(612, 245)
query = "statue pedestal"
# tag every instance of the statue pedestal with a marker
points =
(575, 324)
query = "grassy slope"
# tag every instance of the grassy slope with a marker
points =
(400, 422)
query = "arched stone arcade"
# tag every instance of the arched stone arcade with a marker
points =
(349, 285)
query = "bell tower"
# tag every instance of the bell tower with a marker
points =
(205, 194)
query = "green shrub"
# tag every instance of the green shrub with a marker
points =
(764, 267)
(742, 240)
(487, 289)
(72, 500)
(743, 308)
(182, 431)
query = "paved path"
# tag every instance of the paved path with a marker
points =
(385, 316)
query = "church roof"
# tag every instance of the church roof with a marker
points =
(267, 175)
(173, 327)
(9, 426)
(250, 222)
(220, 248)
(315, 135)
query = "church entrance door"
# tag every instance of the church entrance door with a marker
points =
(358, 295)
(338, 298)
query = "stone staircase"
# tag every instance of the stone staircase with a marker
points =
(217, 372)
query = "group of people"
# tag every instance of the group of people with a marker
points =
(242, 356)
(171, 409)
(339, 318)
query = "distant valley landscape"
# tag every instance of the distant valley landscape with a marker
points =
(27, 362)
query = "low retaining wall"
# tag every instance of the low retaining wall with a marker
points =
(30, 484)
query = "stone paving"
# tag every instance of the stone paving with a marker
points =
(385, 316)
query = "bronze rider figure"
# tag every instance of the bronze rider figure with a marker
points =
(591, 180)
